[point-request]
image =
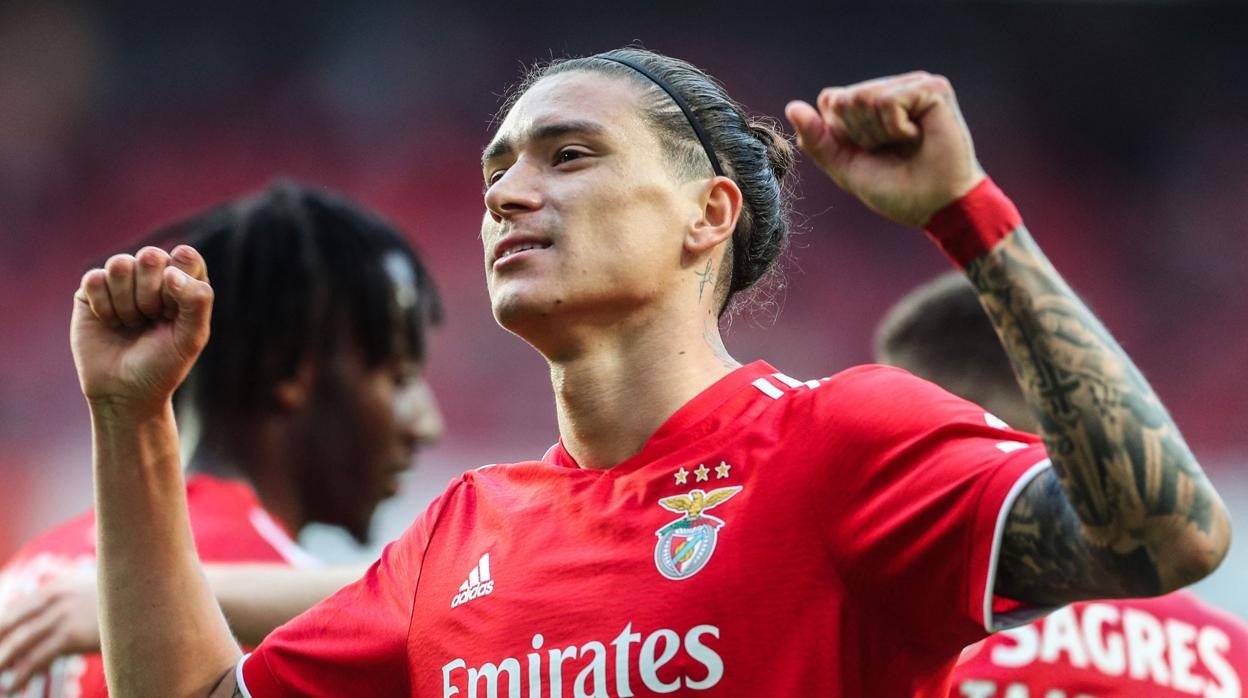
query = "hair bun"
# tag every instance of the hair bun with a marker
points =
(780, 152)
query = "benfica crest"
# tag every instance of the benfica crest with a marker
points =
(686, 544)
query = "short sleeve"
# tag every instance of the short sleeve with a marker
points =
(925, 482)
(354, 642)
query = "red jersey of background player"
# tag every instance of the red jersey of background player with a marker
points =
(774, 537)
(228, 525)
(1170, 646)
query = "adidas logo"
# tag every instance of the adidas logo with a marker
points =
(477, 584)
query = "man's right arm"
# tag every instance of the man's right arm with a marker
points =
(138, 325)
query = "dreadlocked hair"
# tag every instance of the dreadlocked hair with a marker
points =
(297, 273)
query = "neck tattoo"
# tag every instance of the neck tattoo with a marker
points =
(704, 278)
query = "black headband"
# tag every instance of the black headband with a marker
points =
(698, 131)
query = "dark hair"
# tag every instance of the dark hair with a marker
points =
(752, 150)
(296, 273)
(940, 332)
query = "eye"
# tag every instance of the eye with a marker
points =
(566, 155)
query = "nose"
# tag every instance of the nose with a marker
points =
(515, 191)
(424, 425)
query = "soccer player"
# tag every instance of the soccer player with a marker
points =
(308, 406)
(1172, 645)
(701, 526)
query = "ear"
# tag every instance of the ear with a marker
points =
(291, 394)
(720, 207)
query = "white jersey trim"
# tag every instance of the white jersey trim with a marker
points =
(768, 389)
(238, 676)
(992, 623)
(273, 534)
(550, 452)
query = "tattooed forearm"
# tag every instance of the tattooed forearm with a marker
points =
(1134, 513)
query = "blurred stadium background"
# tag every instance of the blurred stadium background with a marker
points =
(1120, 128)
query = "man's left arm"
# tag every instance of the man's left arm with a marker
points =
(1126, 510)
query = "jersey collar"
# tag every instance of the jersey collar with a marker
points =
(698, 415)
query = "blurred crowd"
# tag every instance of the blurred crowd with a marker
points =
(1118, 128)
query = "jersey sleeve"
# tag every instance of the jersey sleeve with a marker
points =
(354, 642)
(923, 485)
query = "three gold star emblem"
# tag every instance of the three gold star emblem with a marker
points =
(703, 473)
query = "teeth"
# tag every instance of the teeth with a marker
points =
(521, 248)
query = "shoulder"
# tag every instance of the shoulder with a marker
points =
(66, 547)
(75, 538)
(872, 401)
(866, 388)
(230, 524)
(882, 387)
(505, 475)
(1185, 605)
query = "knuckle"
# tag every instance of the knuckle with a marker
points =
(861, 98)
(148, 260)
(118, 263)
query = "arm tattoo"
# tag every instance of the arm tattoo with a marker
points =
(1046, 559)
(1129, 512)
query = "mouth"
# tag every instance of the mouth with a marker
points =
(515, 246)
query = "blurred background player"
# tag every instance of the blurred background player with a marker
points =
(308, 414)
(1171, 645)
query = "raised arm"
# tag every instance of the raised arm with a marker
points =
(1139, 517)
(138, 325)
(1126, 510)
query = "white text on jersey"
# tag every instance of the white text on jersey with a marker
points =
(477, 584)
(1130, 643)
(544, 675)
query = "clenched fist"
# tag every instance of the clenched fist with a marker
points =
(138, 326)
(898, 143)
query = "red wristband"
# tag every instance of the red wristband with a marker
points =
(970, 227)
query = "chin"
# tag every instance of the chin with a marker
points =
(516, 311)
(361, 530)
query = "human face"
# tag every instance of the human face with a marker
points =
(584, 215)
(364, 427)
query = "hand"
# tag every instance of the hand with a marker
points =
(138, 326)
(898, 143)
(59, 618)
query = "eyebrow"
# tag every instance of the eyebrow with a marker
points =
(504, 146)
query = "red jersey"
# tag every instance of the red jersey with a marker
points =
(228, 524)
(774, 537)
(1167, 647)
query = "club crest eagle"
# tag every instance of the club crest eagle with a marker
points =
(686, 544)
(693, 504)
